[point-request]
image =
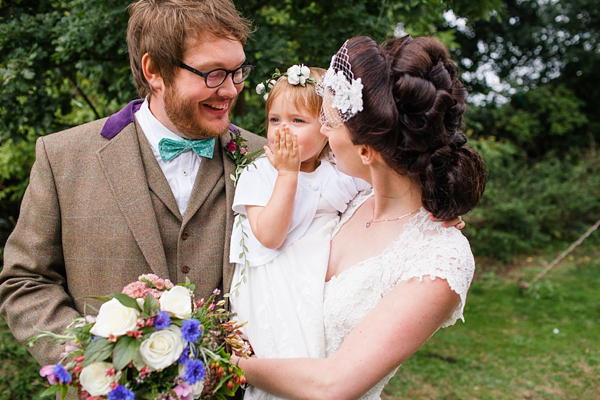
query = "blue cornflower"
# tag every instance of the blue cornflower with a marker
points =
(121, 393)
(185, 355)
(194, 371)
(162, 320)
(61, 374)
(191, 330)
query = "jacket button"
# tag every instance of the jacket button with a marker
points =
(185, 235)
(185, 269)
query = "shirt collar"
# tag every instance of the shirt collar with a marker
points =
(152, 128)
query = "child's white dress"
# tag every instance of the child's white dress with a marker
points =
(282, 298)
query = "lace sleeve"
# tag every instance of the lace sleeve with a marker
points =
(439, 252)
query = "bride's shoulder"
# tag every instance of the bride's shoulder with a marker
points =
(432, 238)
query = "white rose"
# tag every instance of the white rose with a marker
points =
(177, 301)
(260, 87)
(114, 318)
(94, 379)
(162, 348)
(293, 74)
(305, 73)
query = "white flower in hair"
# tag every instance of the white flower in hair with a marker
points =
(298, 74)
(347, 96)
(260, 88)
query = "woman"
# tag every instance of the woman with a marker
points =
(392, 114)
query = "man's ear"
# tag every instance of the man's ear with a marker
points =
(151, 74)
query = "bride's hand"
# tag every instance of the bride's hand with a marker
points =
(457, 222)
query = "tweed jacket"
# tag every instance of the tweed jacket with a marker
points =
(99, 212)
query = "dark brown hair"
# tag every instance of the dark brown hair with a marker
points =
(161, 27)
(413, 107)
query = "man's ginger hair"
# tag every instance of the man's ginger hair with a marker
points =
(161, 28)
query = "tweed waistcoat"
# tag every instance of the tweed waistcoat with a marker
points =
(192, 248)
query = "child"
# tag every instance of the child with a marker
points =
(292, 201)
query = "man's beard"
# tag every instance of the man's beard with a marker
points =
(183, 113)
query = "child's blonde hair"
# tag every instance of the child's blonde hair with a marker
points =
(302, 97)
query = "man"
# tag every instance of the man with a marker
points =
(104, 205)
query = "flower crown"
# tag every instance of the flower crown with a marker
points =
(296, 75)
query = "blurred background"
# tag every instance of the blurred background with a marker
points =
(532, 68)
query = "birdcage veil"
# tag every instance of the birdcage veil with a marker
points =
(342, 94)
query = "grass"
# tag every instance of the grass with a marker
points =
(539, 343)
(542, 343)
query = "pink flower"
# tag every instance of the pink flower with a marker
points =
(231, 146)
(244, 150)
(48, 372)
(184, 391)
(136, 289)
(69, 348)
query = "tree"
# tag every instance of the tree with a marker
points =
(547, 46)
(65, 62)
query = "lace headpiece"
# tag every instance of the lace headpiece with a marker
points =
(342, 94)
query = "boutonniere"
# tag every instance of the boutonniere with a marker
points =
(237, 149)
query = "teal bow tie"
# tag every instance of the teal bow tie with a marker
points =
(169, 148)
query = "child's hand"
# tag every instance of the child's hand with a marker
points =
(287, 153)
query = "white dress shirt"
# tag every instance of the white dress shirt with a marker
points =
(181, 171)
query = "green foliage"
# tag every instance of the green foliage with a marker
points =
(19, 377)
(538, 121)
(529, 45)
(530, 205)
(309, 32)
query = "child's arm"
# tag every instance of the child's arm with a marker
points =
(270, 224)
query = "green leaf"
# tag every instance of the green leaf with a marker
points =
(99, 350)
(103, 299)
(138, 363)
(150, 304)
(126, 301)
(51, 390)
(125, 350)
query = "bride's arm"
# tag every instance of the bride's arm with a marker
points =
(400, 323)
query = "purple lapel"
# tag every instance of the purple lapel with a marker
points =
(118, 121)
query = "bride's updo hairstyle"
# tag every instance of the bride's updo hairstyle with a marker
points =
(413, 104)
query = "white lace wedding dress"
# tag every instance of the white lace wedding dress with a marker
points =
(424, 248)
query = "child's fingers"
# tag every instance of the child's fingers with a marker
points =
(295, 148)
(269, 154)
(276, 140)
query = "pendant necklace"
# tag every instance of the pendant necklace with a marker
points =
(372, 220)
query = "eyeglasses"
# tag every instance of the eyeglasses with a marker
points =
(215, 77)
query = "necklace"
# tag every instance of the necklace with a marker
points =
(372, 221)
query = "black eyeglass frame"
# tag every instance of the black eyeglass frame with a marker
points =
(227, 72)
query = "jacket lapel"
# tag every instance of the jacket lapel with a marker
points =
(121, 163)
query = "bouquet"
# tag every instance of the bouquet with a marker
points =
(152, 341)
